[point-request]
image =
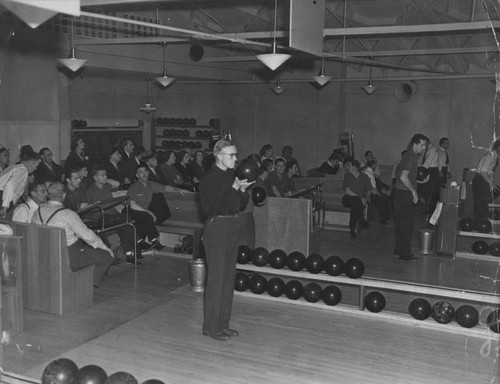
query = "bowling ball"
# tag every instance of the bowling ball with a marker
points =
(467, 316)
(314, 263)
(422, 173)
(296, 261)
(354, 268)
(494, 248)
(375, 301)
(60, 371)
(312, 292)
(466, 224)
(293, 289)
(480, 247)
(334, 265)
(258, 284)
(259, 256)
(121, 378)
(493, 321)
(153, 381)
(420, 309)
(278, 258)
(259, 196)
(91, 374)
(244, 253)
(241, 282)
(483, 226)
(247, 169)
(443, 312)
(275, 287)
(331, 295)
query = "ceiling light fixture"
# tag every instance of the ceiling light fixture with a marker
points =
(148, 107)
(370, 88)
(278, 89)
(165, 81)
(274, 60)
(72, 62)
(321, 79)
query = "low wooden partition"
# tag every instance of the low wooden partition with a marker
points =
(49, 285)
(12, 286)
(187, 217)
(286, 224)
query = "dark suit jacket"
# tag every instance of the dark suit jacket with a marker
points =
(327, 168)
(114, 173)
(157, 176)
(128, 168)
(43, 173)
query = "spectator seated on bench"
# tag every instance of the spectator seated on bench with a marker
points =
(84, 246)
(37, 195)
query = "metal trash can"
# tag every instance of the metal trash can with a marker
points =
(426, 240)
(197, 274)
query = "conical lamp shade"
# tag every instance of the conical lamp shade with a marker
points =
(273, 60)
(147, 108)
(165, 81)
(322, 79)
(278, 89)
(73, 63)
(369, 89)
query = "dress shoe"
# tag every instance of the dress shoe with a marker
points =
(408, 259)
(230, 332)
(116, 261)
(157, 246)
(131, 260)
(364, 223)
(353, 235)
(144, 246)
(219, 336)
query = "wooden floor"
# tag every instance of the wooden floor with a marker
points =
(148, 322)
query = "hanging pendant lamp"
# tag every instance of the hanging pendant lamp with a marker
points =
(164, 80)
(148, 106)
(274, 60)
(72, 62)
(370, 88)
(321, 79)
(278, 89)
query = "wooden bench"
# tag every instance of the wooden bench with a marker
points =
(49, 285)
(186, 219)
(12, 287)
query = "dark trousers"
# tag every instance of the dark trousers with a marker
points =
(144, 224)
(430, 190)
(383, 204)
(356, 208)
(482, 197)
(247, 230)
(220, 238)
(403, 221)
(126, 233)
(82, 255)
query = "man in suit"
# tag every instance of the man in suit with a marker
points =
(48, 170)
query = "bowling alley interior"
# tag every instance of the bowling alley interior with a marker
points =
(313, 91)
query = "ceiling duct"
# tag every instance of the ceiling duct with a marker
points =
(405, 90)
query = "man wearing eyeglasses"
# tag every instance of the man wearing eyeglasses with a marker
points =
(221, 194)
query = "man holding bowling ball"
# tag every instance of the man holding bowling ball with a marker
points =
(221, 193)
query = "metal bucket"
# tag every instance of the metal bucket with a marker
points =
(426, 241)
(197, 274)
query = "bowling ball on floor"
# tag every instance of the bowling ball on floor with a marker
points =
(258, 284)
(244, 254)
(480, 247)
(91, 374)
(278, 258)
(259, 196)
(375, 302)
(422, 173)
(153, 381)
(494, 248)
(293, 289)
(483, 226)
(354, 268)
(334, 265)
(420, 309)
(493, 321)
(296, 261)
(260, 256)
(466, 224)
(121, 378)
(312, 292)
(60, 371)
(275, 287)
(247, 169)
(315, 263)
(241, 282)
(467, 316)
(443, 312)
(331, 295)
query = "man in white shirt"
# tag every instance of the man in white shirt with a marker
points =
(430, 189)
(14, 179)
(483, 185)
(37, 193)
(444, 160)
(84, 246)
(376, 197)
